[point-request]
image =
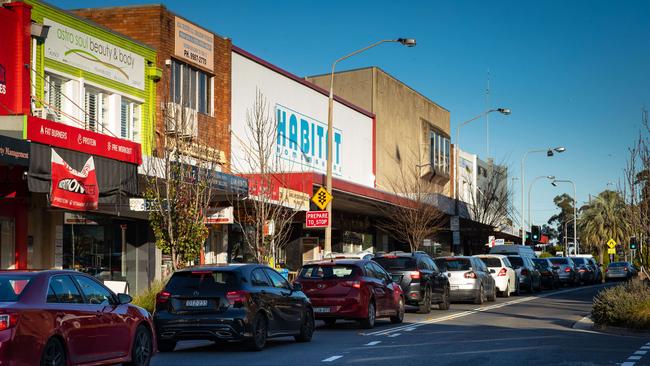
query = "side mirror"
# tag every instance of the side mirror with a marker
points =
(297, 286)
(124, 299)
(492, 270)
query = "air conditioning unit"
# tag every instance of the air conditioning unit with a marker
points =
(181, 120)
(191, 122)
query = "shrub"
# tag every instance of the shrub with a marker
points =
(546, 255)
(625, 305)
(147, 298)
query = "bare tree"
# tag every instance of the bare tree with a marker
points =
(415, 215)
(490, 198)
(265, 217)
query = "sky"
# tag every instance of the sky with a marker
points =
(575, 73)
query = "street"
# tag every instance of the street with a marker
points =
(521, 330)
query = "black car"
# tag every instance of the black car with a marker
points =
(529, 277)
(249, 302)
(549, 272)
(419, 277)
(585, 272)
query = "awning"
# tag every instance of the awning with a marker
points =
(14, 151)
(113, 176)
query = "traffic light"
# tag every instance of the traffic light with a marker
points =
(536, 233)
(633, 243)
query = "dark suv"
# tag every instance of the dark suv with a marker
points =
(419, 277)
(238, 302)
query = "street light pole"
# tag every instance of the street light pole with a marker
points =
(575, 212)
(530, 188)
(409, 42)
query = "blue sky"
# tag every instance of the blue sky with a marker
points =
(574, 73)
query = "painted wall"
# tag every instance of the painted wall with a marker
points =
(301, 112)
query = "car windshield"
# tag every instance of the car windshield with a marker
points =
(327, 271)
(441, 264)
(491, 261)
(396, 263)
(204, 281)
(541, 262)
(559, 261)
(12, 286)
(516, 261)
(579, 261)
(618, 264)
(457, 264)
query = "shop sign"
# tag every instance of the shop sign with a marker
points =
(316, 219)
(71, 189)
(78, 49)
(269, 228)
(77, 139)
(222, 215)
(193, 44)
(70, 218)
(14, 151)
(279, 189)
(296, 200)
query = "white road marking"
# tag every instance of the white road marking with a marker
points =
(373, 343)
(645, 347)
(409, 329)
(395, 335)
(331, 359)
(628, 363)
(640, 353)
(634, 358)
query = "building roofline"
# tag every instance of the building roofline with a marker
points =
(298, 79)
(387, 74)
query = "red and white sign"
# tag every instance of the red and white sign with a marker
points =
(77, 139)
(317, 219)
(223, 215)
(71, 189)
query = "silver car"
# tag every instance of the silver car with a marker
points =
(619, 271)
(469, 278)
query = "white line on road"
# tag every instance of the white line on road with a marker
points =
(634, 358)
(395, 335)
(373, 343)
(628, 364)
(331, 359)
(645, 347)
(640, 353)
(409, 329)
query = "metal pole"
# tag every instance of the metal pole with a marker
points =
(523, 201)
(575, 219)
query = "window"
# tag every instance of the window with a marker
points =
(63, 290)
(206, 282)
(54, 96)
(11, 286)
(258, 278)
(95, 293)
(129, 119)
(277, 279)
(327, 271)
(380, 273)
(440, 150)
(191, 87)
(95, 108)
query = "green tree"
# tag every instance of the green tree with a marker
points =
(565, 217)
(603, 219)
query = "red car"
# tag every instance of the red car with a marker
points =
(64, 318)
(351, 289)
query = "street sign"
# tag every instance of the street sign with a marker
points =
(611, 250)
(321, 198)
(611, 243)
(456, 237)
(454, 223)
(500, 242)
(317, 218)
(426, 242)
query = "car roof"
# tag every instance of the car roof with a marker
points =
(456, 257)
(351, 261)
(501, 256)
(223, 267)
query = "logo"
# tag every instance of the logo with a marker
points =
(72, 185)
(3, 80)
(195, 293)
(79, 139)
(72, 189)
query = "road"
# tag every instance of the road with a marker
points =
(524, 330)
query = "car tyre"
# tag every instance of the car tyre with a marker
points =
(399, 317)
(307, 328)
(369, 322)
(480, 296)
(260, 332)
(53, 354)
(506, 292)
(446, 300)
(425, 304)
(493, 295)
(142, 348)
(166, 346)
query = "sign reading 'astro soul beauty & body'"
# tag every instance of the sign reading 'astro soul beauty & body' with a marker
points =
(86, 52)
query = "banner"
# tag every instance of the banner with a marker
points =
(71, 189)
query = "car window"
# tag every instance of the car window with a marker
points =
(258, 278)
(441, 264)
(457, 264)
(491, 261)
(506, 262)
(380, 272)
(423, 265)
(63, 290)
(516, 261)
(370, 270)
(559, 261)
(276, 279)
(207, 282)
(432, 265)
(94, 292)
(392, 262)
(12, 286)
(317, 271)
(481, 266)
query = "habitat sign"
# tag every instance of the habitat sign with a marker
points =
(88, 53)
(302, 140)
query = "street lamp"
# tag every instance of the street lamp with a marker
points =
(575, 211)
(549, 152)
(530, 188)
(408, 42)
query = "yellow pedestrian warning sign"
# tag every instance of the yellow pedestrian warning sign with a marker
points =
(611, 243)
(321, 198)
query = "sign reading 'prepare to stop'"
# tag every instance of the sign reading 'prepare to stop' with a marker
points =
(317, 219)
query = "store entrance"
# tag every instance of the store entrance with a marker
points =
(7, 243)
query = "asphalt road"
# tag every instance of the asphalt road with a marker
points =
(521, 330)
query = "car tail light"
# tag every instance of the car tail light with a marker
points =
(415, 275)
(470, 275)
(163, 297)
(524, 272)
(567, 269)
(606, 270)
(353, 284)
(503, 272)
(8, 321)
(581, 270)
(237, 298)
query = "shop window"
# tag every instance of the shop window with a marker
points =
(440, 151)
(129, 119)
(191, 87)
(54, 96)
(95, 109)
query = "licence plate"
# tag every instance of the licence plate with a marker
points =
(321, 310)
(196, 303)
(454, 287)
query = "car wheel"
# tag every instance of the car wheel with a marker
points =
(166, 346)
(260, 331)
(53, 354)
(531, 288)
(446, 300)
(307, 328)
(369, 322)
(329, 322)
(506, 292)
(480, 296)
(399, 317)
(493, 295)
(517, 288)
(142, 348)
(425, 304)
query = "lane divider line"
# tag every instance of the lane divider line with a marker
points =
(373, 343)
(637, 355)
(395, 335)
(331, 359)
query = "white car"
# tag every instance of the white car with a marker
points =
(504, 275)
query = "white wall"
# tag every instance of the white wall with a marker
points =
(303, 113)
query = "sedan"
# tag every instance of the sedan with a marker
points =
(566, 270)
(619, 271)
(248, 303)
(505, 277)
(529, 277)
(469, 277)
(549, 272)
(69, 318)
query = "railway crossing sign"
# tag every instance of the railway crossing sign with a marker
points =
(322, 198)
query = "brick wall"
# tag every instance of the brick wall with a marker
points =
(153, 25)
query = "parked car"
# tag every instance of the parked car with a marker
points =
(359, 255)
(354, 289)
(549, 273)
(505, 277)
(567, 270)
(469, 277)
(420, 279)
(529, 277)
(619, 271)
(249, 302)
(596, 267)
(586, 273)
(69, 318)
(520, 250)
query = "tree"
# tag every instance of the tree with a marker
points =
(490, 199)
(178, 186)
(265, 217)
(564, 218)
(603, 219)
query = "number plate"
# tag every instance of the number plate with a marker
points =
(321, 310)
(196, 303)
(454, 287)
